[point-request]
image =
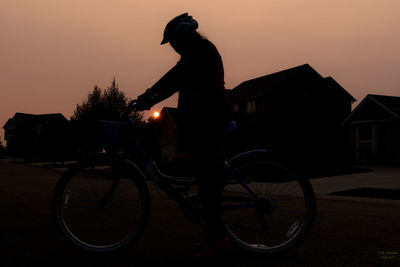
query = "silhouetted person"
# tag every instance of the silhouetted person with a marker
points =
(203, 111)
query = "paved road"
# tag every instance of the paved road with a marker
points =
(381, 177)
(347, 232)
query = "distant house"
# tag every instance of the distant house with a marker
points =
(167, 134)
(374, 127)
(35, 136)
(296, 113)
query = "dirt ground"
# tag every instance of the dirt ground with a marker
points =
(346, 232)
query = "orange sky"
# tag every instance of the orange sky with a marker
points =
(53, 52)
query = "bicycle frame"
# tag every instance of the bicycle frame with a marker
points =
(165, 182)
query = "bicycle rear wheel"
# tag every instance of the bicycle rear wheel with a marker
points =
(100, 206)
(281, 216)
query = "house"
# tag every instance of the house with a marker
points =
(374, 128)
(167, 134)
(295, 113)
(2, 150)
(35, 136)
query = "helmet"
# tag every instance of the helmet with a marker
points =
(180, 24)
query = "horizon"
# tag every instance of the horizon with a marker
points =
(54, 53)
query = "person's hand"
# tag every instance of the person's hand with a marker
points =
(143, 101)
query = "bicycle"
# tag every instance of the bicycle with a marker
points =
(102, 204)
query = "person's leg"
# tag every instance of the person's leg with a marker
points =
(210, 188)
(207, 156)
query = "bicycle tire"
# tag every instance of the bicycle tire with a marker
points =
(101, 205)
(279, 221)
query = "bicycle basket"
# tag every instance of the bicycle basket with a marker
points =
(112, 134)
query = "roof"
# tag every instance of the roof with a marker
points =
(29, 120)
(392, 103)
(329, 83)
(294, 82)
(168, 112)
(267, 85)
(388, 104)
(9, 122)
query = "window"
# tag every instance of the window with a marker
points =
(251, 106)
(383, 132)
(364, 132)
(383, 142)
(365, 149)
(9, 132)
(373, 142)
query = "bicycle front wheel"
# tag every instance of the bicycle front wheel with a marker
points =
(100, 206)
(273, 215)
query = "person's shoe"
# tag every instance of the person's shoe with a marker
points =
(204, 248)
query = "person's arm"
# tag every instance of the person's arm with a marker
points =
(161, 90)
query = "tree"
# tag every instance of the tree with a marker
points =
(109, 104)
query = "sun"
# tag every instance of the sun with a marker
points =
(156, 114)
